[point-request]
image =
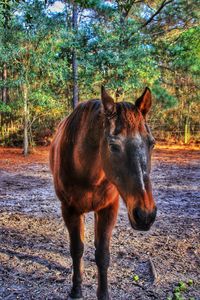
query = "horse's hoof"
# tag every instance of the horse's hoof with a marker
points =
(75, 294)
(103, 296)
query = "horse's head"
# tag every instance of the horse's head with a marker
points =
(126, 155)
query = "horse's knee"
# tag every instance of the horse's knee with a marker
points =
(102, 258)
(76, 251)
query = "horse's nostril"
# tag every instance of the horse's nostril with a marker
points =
(142, 217)
(138, 214)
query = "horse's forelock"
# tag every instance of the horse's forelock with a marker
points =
(129, 115)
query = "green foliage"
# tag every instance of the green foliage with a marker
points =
(113, 47)
(136, 278)
(163, 96)
(4, 108)
(190, 282)
(180, 289)
(186, 52)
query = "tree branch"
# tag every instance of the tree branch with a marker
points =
(164, 3)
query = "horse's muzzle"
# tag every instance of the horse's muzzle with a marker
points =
(142, 220)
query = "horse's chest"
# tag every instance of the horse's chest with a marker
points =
(104, 196)
(96, 198)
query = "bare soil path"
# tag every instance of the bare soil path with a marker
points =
(34, 245)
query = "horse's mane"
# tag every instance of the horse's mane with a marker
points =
(86, 113)
(90, 112)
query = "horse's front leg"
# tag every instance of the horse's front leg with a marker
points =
(75, 226)
(104, 222)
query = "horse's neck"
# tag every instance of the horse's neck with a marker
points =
(86, 150)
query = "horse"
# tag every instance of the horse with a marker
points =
(100, 152)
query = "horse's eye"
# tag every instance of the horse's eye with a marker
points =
(114, 148)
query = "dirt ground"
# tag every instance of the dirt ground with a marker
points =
(34, 244)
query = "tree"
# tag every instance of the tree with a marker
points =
(74, 58)
(30, 39)
(53, 59)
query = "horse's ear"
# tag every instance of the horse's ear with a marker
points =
(144, 102)
(108, 102)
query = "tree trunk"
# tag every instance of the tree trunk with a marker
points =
(26, 142)
(74, 58)
(4, 89)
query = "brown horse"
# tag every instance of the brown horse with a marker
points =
(103, 150)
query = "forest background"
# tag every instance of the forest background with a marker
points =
(54, 54)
